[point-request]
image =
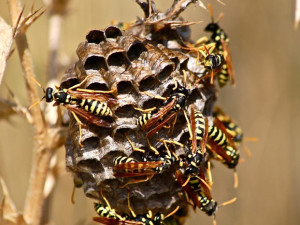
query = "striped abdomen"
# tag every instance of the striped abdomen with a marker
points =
(200, 125)
(223, 75)
(122, 160)
(105, 211)
(217, 136)
(143, 119)
(95, 107)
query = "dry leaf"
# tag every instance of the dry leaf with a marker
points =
(6, 39)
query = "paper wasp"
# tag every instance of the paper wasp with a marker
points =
(221, 39)
(198, 192)
(92, 105)
(163, 115)
(198, 128)
(231, 127)
(108, 216)
(152, 164)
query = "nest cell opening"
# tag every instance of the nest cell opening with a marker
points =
(92, 164)
(113, 32)
(97, 86)
(193, 96)
(90, 143)
(118, 59)
(175, 60)
(124, 87)
(152, 103)
(95, 63)
(183, 64)
(136, 50)
(125, 111)
(165, 73)
(95, 36)
(147, 83)
(69, 83)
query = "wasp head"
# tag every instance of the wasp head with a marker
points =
(49, 94)
(212, 27)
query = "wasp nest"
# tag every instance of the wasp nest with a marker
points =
(145, 58)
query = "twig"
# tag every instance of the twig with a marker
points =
(44, 147)
(54, 37)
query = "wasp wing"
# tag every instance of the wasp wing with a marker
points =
(227, 57)
(159, 115)
(107, 98)
(88, 116)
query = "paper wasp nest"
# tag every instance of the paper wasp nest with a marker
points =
(131, 63)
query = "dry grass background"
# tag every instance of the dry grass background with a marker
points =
(265, 50)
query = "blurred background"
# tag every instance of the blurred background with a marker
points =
(265, 103)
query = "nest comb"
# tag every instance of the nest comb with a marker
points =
(131, 64)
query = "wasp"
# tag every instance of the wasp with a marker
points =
(108, 216)
(92, 105)
(221, 39)
(129, 167)
(198, 192)
(198, 128)
(170, 107)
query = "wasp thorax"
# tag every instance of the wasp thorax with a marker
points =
(61, 97)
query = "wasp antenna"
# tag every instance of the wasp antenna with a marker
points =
(173, 212)
(35, 81)
(34, 104)
(211, 12)
(220, 17)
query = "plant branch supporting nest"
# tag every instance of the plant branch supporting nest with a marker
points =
(46, 139)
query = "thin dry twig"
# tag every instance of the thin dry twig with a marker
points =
(46, 141)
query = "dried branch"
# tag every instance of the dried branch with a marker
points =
(46, 140)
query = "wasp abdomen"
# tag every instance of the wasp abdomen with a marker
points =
(95, 107)
(217, 136)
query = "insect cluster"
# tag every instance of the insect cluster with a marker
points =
(144, 129)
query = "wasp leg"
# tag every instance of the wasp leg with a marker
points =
(80, 126)
(137, 181)
(151, 147)
(132, 145)
(144, 110)
(154, 96)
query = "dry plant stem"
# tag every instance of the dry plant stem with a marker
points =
(42, 151)
(54, 37)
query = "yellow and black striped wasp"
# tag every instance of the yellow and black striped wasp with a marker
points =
(198, 129)
(109, 216)
(198, 192)
(92, 105)
(153, 122)
(221, 39)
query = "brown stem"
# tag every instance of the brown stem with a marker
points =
(42, 149)
(54, 37)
